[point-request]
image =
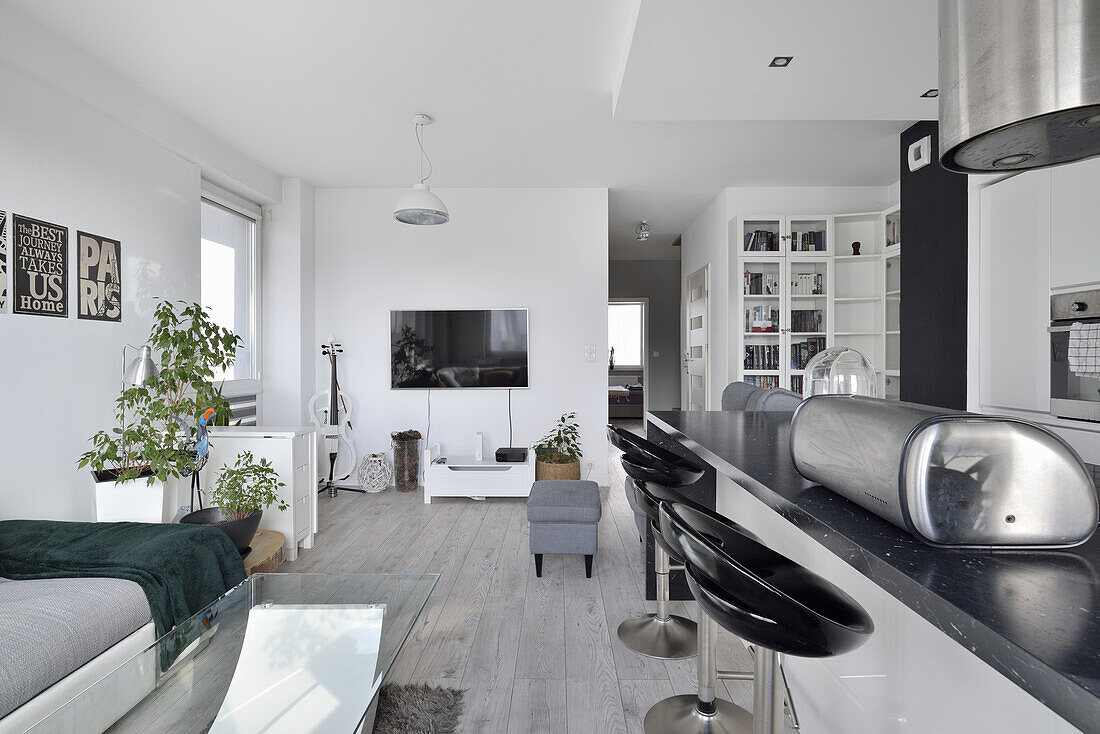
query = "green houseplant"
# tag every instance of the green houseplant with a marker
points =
(241, 492)
(149, 439)
(558, 453)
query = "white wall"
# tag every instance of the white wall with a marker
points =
(289, 345)
(542, 249)
(28, 46)
(67, 163)
(707, 240)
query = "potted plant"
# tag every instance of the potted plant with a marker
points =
(149, 440)
(241, 492)
(558, 453)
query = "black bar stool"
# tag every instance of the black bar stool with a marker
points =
(760, 596)
(660, 635)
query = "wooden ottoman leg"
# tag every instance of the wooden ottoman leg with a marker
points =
(538, 565)
(588, 566)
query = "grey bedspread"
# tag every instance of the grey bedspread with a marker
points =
(51, 627)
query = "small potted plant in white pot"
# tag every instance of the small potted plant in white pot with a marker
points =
(558, 453)
(241, 492)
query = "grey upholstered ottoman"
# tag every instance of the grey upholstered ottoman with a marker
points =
(564, 515)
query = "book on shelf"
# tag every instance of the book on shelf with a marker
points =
(807, 284)
(803, 351)
(761, 240)
(761, 357)
(765, 381)
(761, 284)
(762, 320)
(807, 320)
(808, 241)
(796, 384)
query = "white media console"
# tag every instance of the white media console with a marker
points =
(467, 476)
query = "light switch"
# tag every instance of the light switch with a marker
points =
(589, 352)
(656, 353)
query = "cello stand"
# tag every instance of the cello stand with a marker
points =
(332, 486)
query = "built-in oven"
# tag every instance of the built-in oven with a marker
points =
(1072, 395)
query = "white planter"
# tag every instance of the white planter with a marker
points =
(133, 500)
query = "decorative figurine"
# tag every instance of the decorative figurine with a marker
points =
(855, 248)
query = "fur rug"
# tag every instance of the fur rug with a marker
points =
(417, 709)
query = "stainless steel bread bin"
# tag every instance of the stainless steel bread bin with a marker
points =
(949, 478)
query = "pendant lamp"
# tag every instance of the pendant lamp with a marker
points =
(421, 206)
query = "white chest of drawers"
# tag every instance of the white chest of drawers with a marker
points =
(292, 451)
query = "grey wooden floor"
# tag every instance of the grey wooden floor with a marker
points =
(535, 655)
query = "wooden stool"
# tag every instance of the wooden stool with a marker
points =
(266, 554)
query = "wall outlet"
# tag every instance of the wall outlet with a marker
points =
(590, 465)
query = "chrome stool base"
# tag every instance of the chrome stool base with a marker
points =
(671, 639)
(680, 715)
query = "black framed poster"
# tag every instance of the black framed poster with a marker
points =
(100, 287)
(3, 262)
(40, 264)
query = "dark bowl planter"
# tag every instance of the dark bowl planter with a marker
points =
(240, 531)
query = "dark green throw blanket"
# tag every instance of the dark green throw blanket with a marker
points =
(181, 568)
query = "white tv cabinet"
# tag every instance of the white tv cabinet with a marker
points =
(466, 476)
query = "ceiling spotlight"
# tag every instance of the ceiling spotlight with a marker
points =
(781, 61)
(421, 206)
(642, 231)
(931, 93)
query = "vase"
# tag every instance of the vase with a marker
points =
(132, 500)
(549, 470)
(375, 473)
(240, 531)
(406, 464)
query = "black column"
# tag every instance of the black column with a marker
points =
(933, 278)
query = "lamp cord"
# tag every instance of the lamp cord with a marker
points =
(423, 154)
(509, 417)
(428, 432)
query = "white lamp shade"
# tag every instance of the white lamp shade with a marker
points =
(421, 206)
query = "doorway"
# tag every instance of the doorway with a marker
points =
(696, 339)
(628, 378)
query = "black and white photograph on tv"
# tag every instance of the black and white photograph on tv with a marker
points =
(461, 348)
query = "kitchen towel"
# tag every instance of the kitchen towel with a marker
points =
(1084, 350)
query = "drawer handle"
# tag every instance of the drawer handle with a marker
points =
(481, 468)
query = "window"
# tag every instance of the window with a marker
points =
(624, 332)
(229, 282)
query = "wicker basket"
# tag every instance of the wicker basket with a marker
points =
(550, 470)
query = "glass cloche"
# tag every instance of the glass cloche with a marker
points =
(840, 371)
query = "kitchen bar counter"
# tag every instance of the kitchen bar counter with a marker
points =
(1033, 616)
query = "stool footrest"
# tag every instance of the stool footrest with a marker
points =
(735, 675)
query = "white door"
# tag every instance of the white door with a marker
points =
(697, 349)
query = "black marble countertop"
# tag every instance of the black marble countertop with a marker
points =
(1032, 615)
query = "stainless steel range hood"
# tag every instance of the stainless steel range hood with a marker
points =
(1019, 83)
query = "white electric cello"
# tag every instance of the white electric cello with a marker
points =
(333, 421)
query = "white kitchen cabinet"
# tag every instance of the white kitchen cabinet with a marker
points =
(1014, 309)
(292, 451)
(1074, 224)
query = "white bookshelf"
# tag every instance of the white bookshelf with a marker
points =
(859, 300)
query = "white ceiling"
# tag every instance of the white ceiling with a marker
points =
(522, 93)
(708, 60)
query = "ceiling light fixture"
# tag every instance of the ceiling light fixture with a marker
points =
(931, 93)
(421, 206)
(781, 61)
(642, 231)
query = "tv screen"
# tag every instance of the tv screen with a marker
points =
(458, 349)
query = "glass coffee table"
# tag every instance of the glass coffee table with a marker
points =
(292, 652)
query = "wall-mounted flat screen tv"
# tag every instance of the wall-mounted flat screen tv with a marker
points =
(462, 348)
